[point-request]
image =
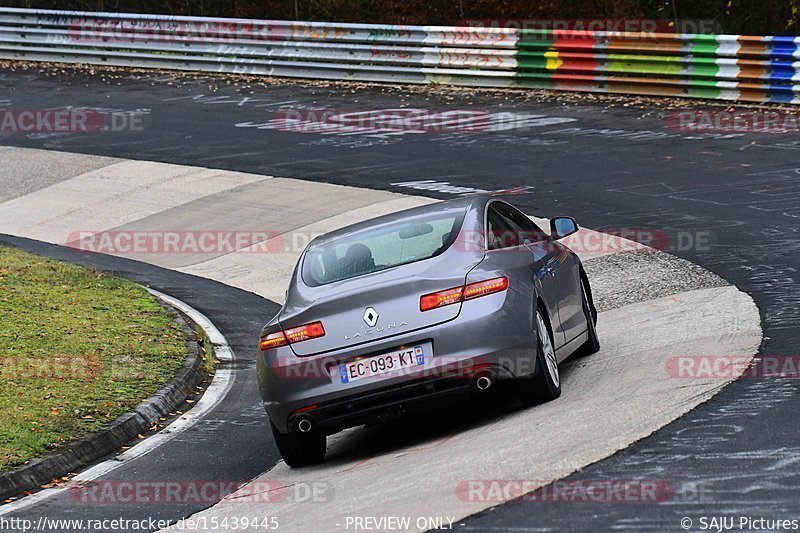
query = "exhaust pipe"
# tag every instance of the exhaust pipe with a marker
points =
(483, 382)
(304, 425)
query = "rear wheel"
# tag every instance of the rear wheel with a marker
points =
(300, 449)
(545, 384)
(592, 344)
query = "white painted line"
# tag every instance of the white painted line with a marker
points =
(214, 394)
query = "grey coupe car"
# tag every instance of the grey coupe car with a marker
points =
(391, 315)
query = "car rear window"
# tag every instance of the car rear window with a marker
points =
(373, 250)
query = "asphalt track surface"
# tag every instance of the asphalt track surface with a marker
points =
(652, 307)
(612, 167)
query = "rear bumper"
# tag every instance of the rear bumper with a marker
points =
(485, 335)
(385, 404)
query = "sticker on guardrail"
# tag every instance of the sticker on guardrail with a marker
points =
(90, 30)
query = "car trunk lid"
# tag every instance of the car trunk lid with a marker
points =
(371, 307)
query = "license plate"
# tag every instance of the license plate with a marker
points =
(383, 364)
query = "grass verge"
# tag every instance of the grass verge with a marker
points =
(77, 349)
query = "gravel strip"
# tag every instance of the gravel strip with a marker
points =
(631, 277)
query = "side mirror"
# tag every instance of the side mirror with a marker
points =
(561, 227)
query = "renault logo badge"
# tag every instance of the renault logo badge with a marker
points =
(371, 317)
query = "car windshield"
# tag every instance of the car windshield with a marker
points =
(373, 250)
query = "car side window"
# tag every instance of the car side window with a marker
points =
(530, 230)
(497, 230)
(514, 227)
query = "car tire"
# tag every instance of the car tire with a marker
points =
(592, 344)
(545, 384)
(300, 449)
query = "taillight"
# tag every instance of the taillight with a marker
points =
(441, 298)
(303, 333)
(273, 340)
(292, 335)
(460, 294)
(482, 288)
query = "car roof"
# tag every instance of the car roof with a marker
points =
(466, 203)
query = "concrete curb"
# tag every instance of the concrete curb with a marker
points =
(127, 426)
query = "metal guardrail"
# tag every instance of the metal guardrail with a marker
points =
(728, 67)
